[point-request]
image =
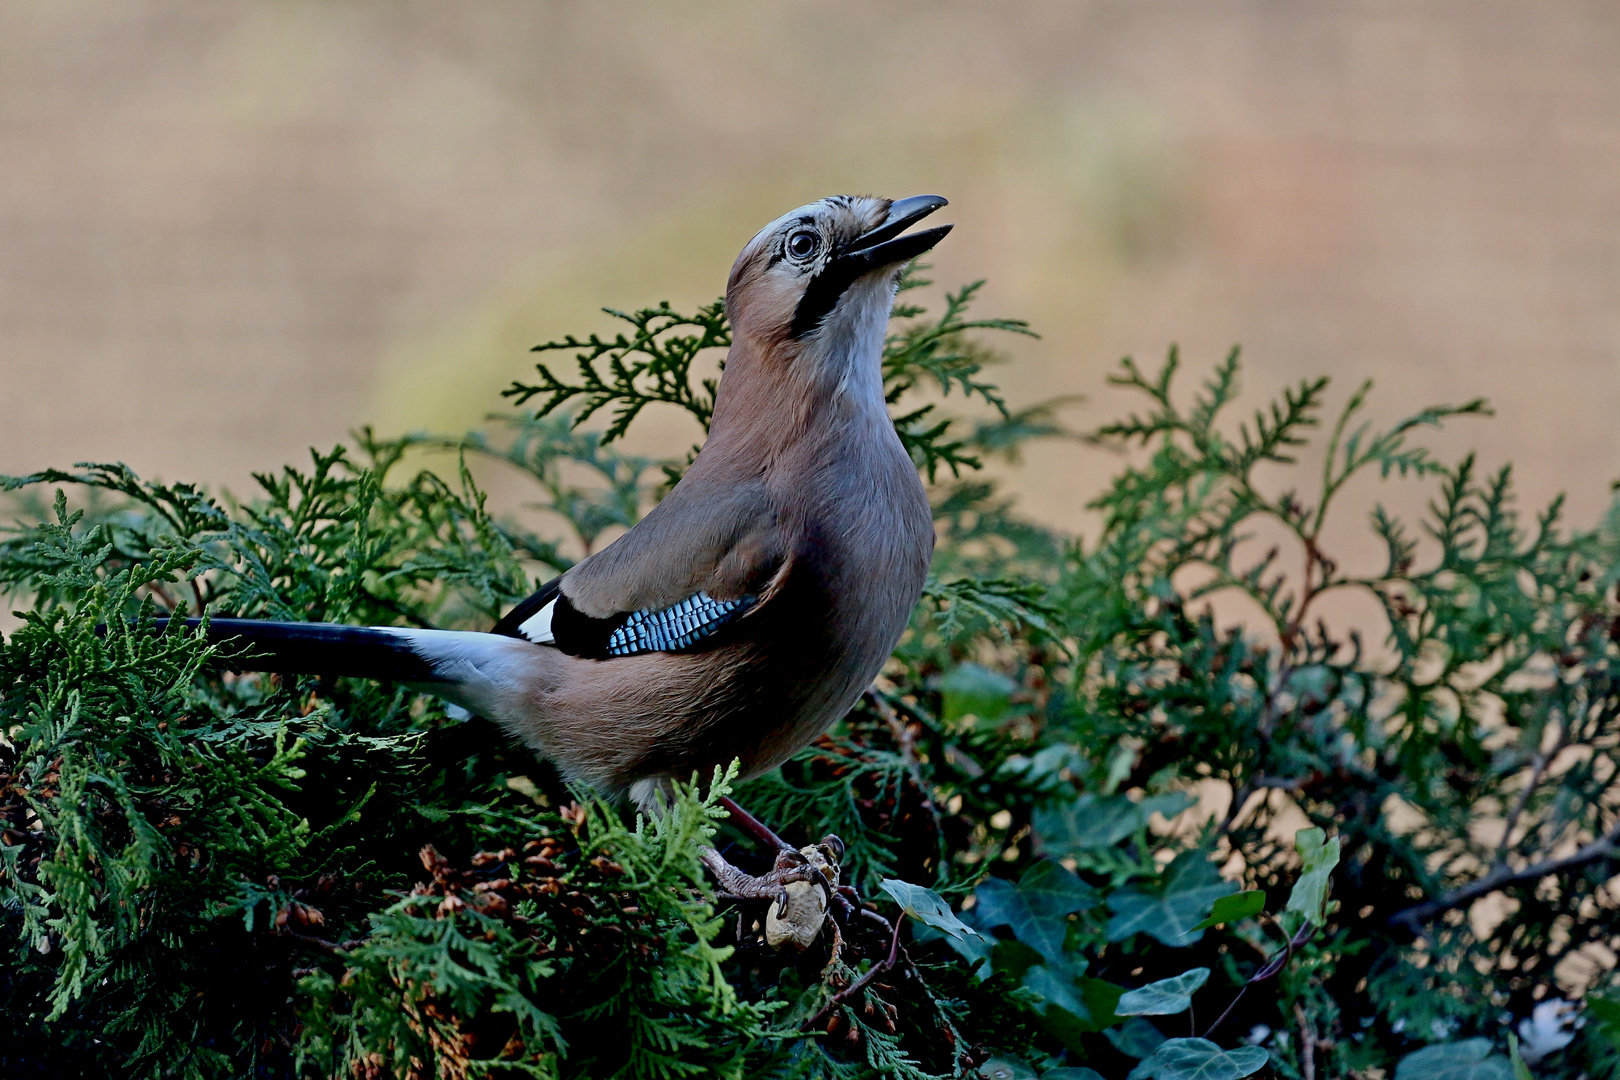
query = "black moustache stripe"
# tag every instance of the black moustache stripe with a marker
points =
(822, 294)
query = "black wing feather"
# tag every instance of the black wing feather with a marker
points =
(508, 626)
(673, 629)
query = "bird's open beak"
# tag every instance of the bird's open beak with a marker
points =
(873, 250)
(885, 246)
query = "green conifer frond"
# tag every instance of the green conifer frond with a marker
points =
(210, 875)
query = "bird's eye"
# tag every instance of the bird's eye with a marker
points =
(803, 244)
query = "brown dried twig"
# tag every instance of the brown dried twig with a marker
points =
(872, 973)
(1271, 967)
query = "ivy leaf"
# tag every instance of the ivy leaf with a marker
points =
(1072, 1073)
(1318, 856)
(989, 954)
(1135, 1038)
(1606, 1012)
(927, 906)
(1235, 908)
(1097, 821)
(1044, 768)
(1167, 997)
(1521, 1071)
(1171, 910)
(1037, 908)
(978, 952)
(1074, 1007)
(1200, 1059)
(1015, 958)
(1057, 987)
(1470, 1059)
(1002, 1067)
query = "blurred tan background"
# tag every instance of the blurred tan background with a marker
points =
(232, 230)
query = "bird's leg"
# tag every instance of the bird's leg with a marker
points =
(813, 868)
(818, 865)
(796, 913)
(751, 825)
(790, 866)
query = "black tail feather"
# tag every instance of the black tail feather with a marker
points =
(361, 652)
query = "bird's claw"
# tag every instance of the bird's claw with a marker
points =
(815, 865)
(771, 885)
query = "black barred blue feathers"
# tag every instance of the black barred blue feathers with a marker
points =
(674, 628)
(550, 618)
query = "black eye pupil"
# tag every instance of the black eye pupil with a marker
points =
(802, 245)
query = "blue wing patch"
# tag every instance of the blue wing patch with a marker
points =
(674, 628)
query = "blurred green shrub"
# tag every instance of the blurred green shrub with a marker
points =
(1097, 831)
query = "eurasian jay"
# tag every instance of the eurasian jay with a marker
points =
(751, 608)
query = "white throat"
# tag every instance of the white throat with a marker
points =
(847, 348)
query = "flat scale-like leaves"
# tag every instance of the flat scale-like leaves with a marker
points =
(151, 809)
(972, 690)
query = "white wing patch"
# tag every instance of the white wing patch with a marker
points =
(537, 627)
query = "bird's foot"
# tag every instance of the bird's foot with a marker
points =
(801, 886)
(815, 865)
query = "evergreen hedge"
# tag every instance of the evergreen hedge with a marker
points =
(205, 874)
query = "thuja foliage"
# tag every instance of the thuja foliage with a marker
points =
(1127, 806)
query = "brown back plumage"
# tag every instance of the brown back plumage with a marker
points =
(802, 500)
